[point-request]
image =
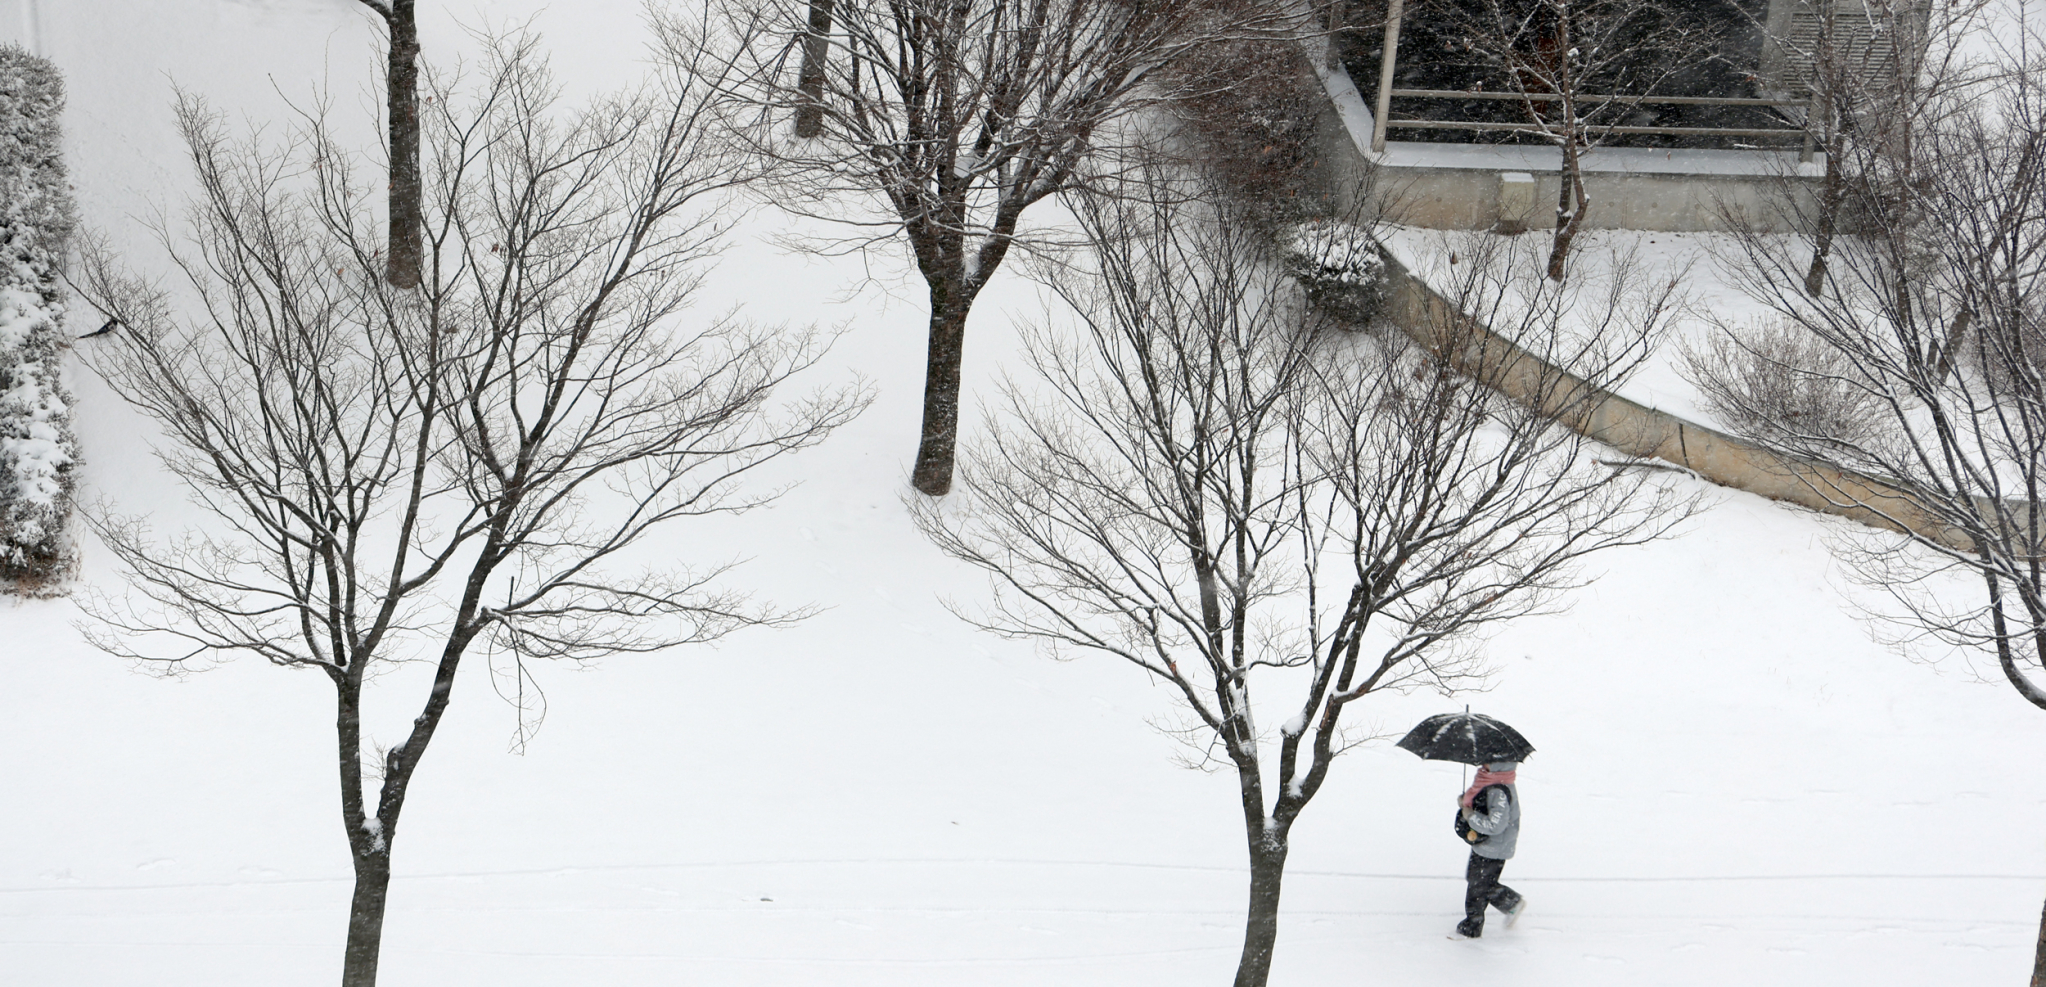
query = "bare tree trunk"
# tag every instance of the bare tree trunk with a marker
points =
(1261, 926)
(405, 254)
(810, 78)
(1957, 332)
(935, 452)
(368, 843)
(366, 918)
(1829, 218)
(1570, 202)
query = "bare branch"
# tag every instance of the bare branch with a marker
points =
(419, 474)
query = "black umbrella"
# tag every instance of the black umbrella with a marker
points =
(1466, 737)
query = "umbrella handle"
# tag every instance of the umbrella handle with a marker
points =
(1467, 771)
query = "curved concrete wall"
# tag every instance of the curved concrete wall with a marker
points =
(1639, 430)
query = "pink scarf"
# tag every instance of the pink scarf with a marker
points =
(1485, 779)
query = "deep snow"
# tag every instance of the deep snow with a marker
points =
(1733, 783)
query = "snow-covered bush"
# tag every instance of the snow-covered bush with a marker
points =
(37, 449)
(1340, 264)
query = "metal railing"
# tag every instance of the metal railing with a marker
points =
(1596, 101)
(1390, 54)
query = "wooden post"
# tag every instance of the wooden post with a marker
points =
(1385, 64)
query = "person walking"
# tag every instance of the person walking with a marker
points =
(1490, 822)
(1488, 813)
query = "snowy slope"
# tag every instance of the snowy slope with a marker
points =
(1733, 784)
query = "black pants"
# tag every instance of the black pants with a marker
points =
(1481, 888)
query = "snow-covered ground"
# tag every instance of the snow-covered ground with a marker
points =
(1734, 785)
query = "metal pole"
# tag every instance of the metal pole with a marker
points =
(1385, 64)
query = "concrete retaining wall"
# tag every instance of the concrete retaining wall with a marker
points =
(1641, 431)
(1454, 198)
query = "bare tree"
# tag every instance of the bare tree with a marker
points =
(1873, 70)
(1579, 68)
(959, 115)
(1209, 481)
(405, 203)
(1948, 230)
(410, 476)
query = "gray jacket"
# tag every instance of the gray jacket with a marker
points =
(1500, 822)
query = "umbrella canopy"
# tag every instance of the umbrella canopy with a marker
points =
(1468, 738)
